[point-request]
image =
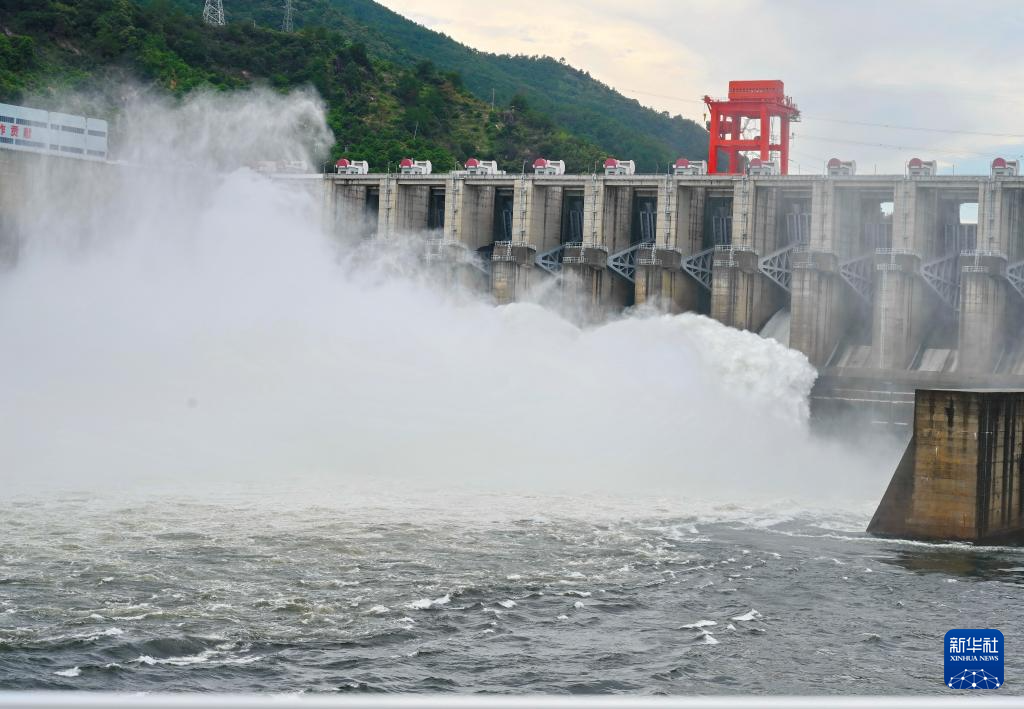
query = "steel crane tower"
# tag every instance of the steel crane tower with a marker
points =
(731, 120)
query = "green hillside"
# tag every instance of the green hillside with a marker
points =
(379, 110)
(574, 100)
(385, 100)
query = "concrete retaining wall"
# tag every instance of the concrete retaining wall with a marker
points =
(960, 476)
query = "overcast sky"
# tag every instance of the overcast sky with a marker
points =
(924, 64)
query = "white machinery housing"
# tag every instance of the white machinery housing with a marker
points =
(483, 167)
(683, 166)
(1001, 167)
(921, 168)
(757, 166)
(542, 166)
(344, 166)
(408, 166)
(619, 167)
(837, 167)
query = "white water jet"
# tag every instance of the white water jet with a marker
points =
(196, 325)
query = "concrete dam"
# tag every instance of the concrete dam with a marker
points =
(888, 284)
(885, 282)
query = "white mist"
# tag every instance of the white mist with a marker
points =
(196, 326)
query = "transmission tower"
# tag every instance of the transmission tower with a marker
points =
(213, 13)
(287, 25)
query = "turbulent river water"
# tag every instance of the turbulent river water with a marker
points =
(481, 593)
(240, 451)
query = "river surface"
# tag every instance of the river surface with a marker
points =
(481, 592)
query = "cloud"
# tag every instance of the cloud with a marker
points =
(933, 64)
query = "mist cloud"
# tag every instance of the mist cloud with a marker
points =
(195, 324)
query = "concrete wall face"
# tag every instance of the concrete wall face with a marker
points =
(819, 311)
(945, 483)
(593, 212)
(545, 218)
(813, 323)
(537, 214)
(731, 287)
(743, 214)
(849, 229)
(998, 218)
(915, 218)
(32, 185)
(741, 296)
(1010, 237)
(616, 218)
(960, 477)
(664, 289)
(900, 313)
(470, 215)
(353, 210)
(673, 213)
(983, 321)
(764, 228)
(509, 281)
(404, 208)
(823, 217)
(690, 237)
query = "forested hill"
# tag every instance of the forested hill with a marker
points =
(570, 97)
(385, 99)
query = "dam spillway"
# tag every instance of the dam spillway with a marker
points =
(887, 285)
(878, 279)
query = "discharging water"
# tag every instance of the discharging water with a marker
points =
(241, 454)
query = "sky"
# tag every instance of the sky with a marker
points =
(942, 78)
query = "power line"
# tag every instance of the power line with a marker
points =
(674, 98)
(936, 151)
(868, 144)
(890, 126)
(807, 156)
(916, 128)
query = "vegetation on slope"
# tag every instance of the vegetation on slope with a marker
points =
(383, 105)
(570, 97)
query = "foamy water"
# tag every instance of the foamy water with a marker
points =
(243, 454)
(513, 593)
(196, 323)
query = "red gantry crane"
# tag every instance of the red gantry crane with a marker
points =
(753, 106)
